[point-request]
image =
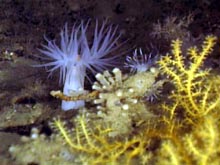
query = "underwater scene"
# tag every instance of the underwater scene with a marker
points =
(100, 82)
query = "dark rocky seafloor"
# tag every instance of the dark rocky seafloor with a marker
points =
(24, 90)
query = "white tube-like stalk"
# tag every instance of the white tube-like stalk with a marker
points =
(73, 84)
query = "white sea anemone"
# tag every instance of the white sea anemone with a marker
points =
(75, 55)
(140, 62)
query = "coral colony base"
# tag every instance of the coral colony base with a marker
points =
(125, 128)
(75, 56)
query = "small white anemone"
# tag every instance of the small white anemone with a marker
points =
(140, 62)
(75, 55)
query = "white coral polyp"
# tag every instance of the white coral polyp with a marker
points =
(75, 55)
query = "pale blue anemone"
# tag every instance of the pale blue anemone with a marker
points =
(76, 54)
(140, 62)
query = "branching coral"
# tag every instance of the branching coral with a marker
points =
(195, 101)
(204, 144)
(192, 89)
(172, 28)
(201, 146)
(95, 147)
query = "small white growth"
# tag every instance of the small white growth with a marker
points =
(99, 113)
(96, 86)
(104, 87)
(66, 155)
(119, 93)
(153, 70)
(102, 80)
(98, 101)
(109, 77)
(131, 90)
(12, 149)
(34, 136)
(133, 101)
(118, 74)
(103, 95)
(125, 107)
(34, 133)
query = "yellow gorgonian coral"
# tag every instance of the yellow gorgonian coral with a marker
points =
(200, 147)
(192, 88)
(92, 145)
